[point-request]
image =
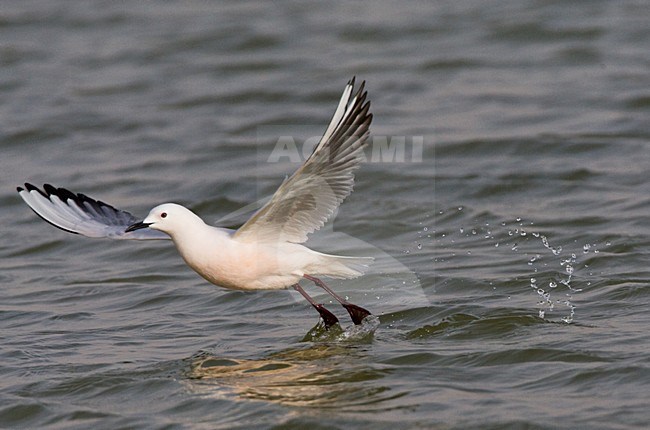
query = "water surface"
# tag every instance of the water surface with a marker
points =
(512, 255)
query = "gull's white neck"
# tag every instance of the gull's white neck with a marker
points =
(197, 239)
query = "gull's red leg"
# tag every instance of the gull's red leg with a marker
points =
(328, 318)
(357, 313)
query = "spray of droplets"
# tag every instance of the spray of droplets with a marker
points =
(552, 267)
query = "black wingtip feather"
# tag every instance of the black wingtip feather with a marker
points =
(65, 195)
(361, 87)
(31, 188)
(49, 189)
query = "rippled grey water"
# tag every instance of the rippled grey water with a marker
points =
(512, 278)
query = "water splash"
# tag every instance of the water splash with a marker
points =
(569, 318)
(551, 269)
(363, 332)
(547, 303)
(554, 250)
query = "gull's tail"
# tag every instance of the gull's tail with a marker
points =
(341, 267)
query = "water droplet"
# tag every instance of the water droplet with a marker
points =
(462, 230)
(608, 243)
(426, 229)
(533, 280)
(473, 231)
(552, 284)
(555, 251)
(460, 208)
(541, 313)
(496, 245)
(419, 246)
(518, 219)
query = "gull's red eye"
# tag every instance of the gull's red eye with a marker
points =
(163, 215)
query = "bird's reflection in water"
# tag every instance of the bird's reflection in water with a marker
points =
(322, 374)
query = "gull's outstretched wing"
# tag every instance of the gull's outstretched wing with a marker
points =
(305, 201)
(79, 214)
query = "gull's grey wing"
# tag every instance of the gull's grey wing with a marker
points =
(305, 201)
(79, 214)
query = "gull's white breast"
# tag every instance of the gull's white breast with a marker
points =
(226, 262)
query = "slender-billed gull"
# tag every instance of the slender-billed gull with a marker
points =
(266, 252)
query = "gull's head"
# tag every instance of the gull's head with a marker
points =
(169, 218)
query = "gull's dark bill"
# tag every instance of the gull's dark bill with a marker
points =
(137, 226)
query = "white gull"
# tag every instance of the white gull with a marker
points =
(266, 252)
